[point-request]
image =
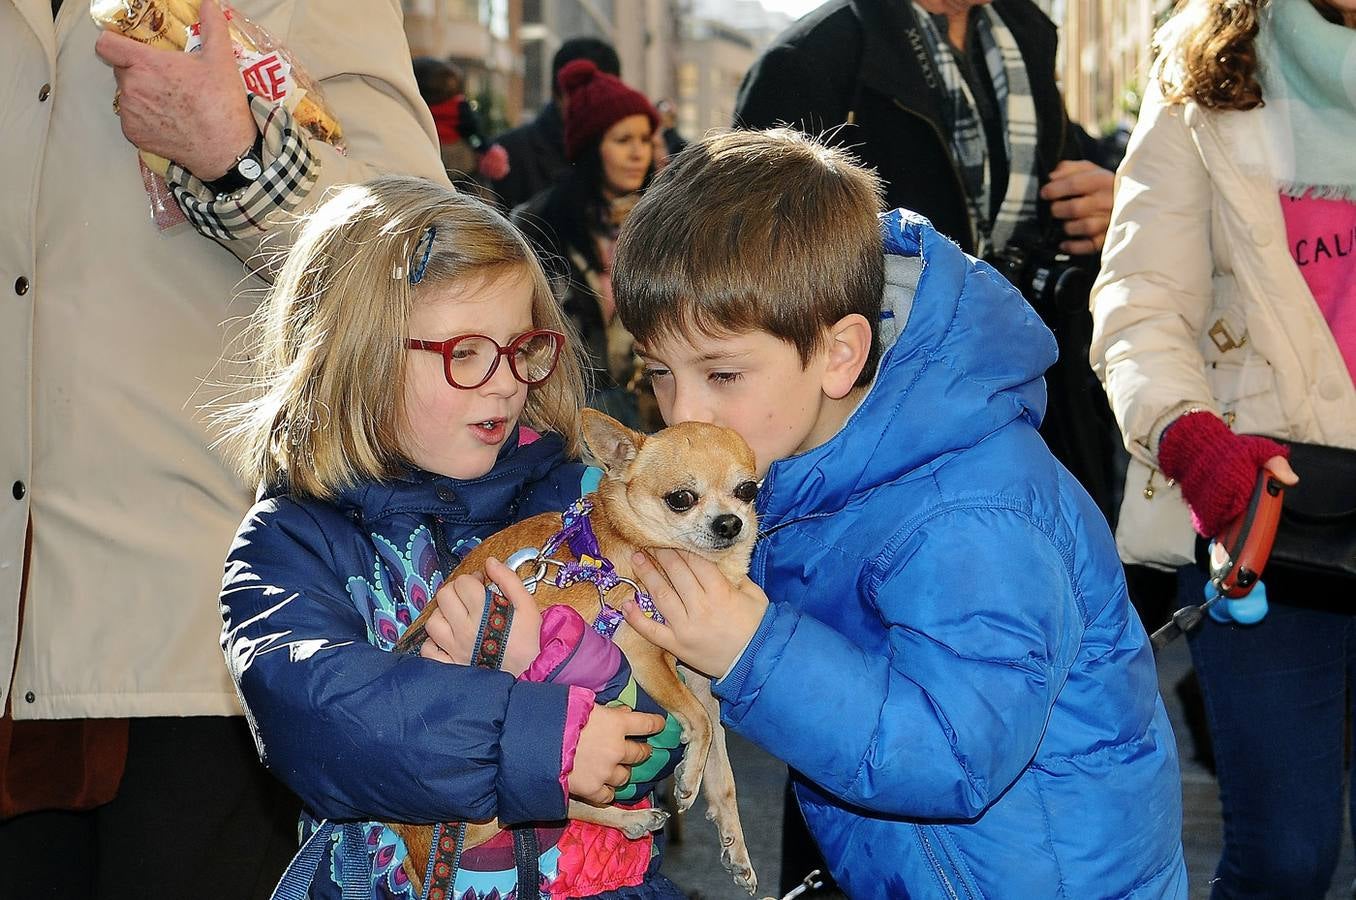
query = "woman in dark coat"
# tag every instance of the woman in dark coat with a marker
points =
(609, 132)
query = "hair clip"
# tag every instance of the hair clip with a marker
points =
(423, 249)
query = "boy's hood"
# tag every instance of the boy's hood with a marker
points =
(962, 355)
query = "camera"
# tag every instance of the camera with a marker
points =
(1051, 281)
(1077, 426)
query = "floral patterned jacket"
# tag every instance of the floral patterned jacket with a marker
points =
(314, 598)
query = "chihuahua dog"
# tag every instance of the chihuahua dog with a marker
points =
(689, 487)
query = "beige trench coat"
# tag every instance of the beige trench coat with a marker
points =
(110, 334)
(1200, 304)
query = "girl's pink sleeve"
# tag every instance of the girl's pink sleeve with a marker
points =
(577, 710)
(573, 653)
(562, 634)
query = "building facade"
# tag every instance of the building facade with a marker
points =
(483, 38)
(721, 40)
(1105, 53)
(645, 33)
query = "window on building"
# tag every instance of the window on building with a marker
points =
(536, 71)
(688, 81)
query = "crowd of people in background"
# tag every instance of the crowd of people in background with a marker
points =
(1196, 279)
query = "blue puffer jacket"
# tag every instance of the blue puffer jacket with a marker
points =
(950, 661)
(314, 598)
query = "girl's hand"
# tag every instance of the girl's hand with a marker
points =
(708, 621)
(461, 603)
(604, 755)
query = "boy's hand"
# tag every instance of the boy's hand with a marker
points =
(604, 755)
(708, 622)
(461, 605)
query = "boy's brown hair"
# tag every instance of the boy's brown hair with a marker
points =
(754, 231)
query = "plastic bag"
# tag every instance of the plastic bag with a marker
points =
(267, 68)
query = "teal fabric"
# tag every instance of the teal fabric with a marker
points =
(1307, 69)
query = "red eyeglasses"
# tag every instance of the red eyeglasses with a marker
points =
(470, 360)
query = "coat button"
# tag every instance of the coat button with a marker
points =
(19, 490)
(446, 495)
(44, 92)
(1261, 236)
(21, 285)
(1330, 390)
(30, 697)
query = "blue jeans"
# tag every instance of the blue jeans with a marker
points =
(1276, 701)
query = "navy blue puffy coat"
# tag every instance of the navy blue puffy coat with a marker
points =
(315, 596)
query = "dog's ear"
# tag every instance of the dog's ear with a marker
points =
(611, 444)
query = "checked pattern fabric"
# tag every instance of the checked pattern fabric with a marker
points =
(290, 172)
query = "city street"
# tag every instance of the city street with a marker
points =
(694, 862)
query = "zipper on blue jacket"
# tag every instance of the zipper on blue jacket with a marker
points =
(936, 863)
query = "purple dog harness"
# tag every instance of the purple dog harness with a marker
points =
(589, 565)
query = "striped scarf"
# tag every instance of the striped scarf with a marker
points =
(1017, 110)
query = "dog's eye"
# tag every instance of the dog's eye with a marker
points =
(746, 491)
(680, 500)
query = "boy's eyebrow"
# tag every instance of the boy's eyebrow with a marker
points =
(709, 356)
(717, 355)
(712, 356)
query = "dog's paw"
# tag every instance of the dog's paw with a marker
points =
(640, 822)
(685, 788)
(683, 798)
(735, 859)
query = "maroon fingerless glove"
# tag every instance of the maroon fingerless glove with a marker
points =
(1215, 468)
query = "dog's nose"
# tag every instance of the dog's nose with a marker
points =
(727, 525)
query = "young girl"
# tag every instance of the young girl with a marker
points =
(406, 352)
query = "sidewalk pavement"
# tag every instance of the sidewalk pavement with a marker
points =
(693, 862)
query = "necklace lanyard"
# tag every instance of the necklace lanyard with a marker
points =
(449, 838)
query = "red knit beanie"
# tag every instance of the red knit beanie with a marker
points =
(594, 102)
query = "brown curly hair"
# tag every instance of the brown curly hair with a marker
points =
(1217, 54)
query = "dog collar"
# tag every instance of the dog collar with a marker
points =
(589, 565)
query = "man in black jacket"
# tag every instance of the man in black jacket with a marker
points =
(866, 71)
(536, 150)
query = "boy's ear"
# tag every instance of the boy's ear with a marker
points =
(609, 442)
(849, 345)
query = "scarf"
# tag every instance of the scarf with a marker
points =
(1017, 110)
(1307, 69)
(447, 118)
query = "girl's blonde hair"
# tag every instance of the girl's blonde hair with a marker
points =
(327, 344)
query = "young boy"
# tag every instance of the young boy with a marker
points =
(950, 665)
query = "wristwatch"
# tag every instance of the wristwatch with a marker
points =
(246, 169)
